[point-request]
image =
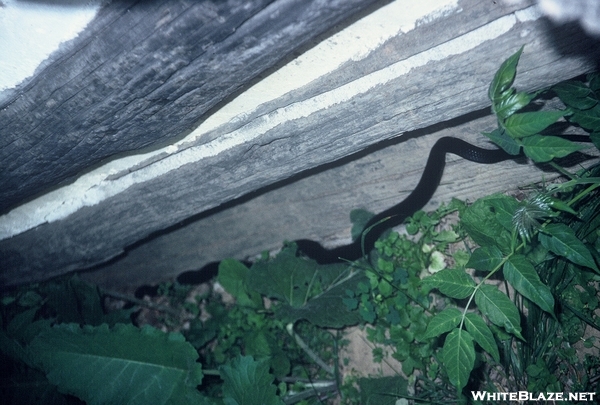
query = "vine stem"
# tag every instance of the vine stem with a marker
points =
(328, 369)
(142, 303)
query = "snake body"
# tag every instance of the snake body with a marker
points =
(430, 179)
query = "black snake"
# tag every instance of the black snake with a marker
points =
(430, 179)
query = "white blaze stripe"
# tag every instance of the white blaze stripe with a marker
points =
(96, 186)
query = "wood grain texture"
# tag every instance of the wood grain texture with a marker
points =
(434, 92)
(317, 205)
(144, 72)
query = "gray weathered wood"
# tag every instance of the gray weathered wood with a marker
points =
(317, 206)
(450, 86)
(144, 72)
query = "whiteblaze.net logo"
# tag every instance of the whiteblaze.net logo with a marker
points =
(523, 396)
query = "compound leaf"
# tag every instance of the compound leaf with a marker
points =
(451, 282)
(521, 274)
(500, 138)
(443, 322)
(561, 240)
(588, 119)
(545, 148)
(482, 334)
(486, 258)
(504, 78)
(486, 225)
(498, 308)
(459, 357)
(575, 94)
(119, 365)
(530, 123)
(512, 103)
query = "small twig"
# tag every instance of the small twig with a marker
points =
(312, 389)
(328, 369)
(142, 303)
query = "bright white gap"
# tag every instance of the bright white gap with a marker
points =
(93, 187)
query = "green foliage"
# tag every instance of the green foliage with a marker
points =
(515, 241)
(119, 365)
(248, 382)
(305, 289)
(513, 304)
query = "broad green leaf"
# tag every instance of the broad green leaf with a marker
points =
(588, 119)
(119, 365)
(498, 308)
(521, 274)
(482, 334)
(484, 226)
(328, 309)
(530, 123)
(459, 357)
(451, 282)
(307, 290)
(287, 277)
(248, 382)
(232, 276)
(561, 240)
(504, 78)
(545, 148)
(486, 258)
(504, 208)
(504, 141)
(509, 105)
(575, 94)
(443, 322)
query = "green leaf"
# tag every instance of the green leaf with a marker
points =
(530, 123)
(232, 276)
(561, 240)
(545, 148)
(248, 382)
(521, 274)
(499, 137)
(328, 309)
(287, 277)
(504, 78)
(485, 225)
(308, 290)
(498, 308)
(588, 119)
(512, 103)
(575, 94)
(504, 208)
(443, 322)
(486, 258)
(482, 334)
(359, 218)
(459, 357)
(119, 365)
(451, 282)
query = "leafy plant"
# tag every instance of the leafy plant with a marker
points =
(515, 240)
(512, 303)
